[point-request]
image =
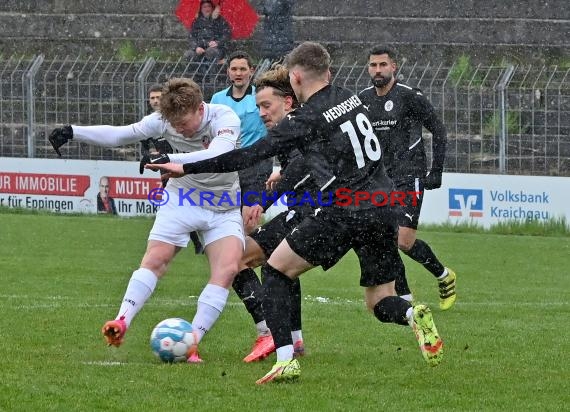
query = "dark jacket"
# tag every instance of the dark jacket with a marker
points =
(204, 30)
(277, 28)
(101, 206)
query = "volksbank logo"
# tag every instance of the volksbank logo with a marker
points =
(466, 202)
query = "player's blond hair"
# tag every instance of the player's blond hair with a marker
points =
(180, 96)
(278, 79)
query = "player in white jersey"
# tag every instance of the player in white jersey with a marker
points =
(206, 202)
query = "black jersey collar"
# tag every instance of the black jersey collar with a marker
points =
(249, 90)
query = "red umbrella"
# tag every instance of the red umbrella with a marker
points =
(240, 15)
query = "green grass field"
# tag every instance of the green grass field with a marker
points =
(507, 341)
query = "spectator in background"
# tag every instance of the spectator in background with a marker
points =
(209, 34)
(154, 93)
(105, 203)
(160, 144)
(277, 28)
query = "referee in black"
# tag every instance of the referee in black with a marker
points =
(398, 113)
(332, 131)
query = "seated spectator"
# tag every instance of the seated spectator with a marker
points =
(209, 34)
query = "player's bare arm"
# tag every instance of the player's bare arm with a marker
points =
(167, 169)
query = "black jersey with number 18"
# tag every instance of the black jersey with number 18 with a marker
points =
(336, 138)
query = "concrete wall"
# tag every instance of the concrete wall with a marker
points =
(487, 30)
(433, 30)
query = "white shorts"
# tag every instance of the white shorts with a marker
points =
(174, 223)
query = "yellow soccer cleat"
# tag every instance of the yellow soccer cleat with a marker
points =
(430, 343)
(447, 293)
(284, 371)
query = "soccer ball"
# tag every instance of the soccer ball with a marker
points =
(172, 339)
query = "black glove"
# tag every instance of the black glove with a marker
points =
(155, 158)
(60, 136)
(145, 146)
(433, 179)
(163, 179)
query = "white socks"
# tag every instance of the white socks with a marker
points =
(140, 287)
(262, 329)
(409, 298)
(143, 281)
(284, 353)
(410, 315)
(211, 303)
(296, 335)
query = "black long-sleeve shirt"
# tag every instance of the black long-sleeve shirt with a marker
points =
(398, 118)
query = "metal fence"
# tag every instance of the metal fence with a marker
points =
(507, 119)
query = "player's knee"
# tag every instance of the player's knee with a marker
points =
(370, 305)
(155, 264)
(251, 260)
(224, 275)
(371, 301)
(229, 271)
(376, 294)
(406, 238)
(405, 244)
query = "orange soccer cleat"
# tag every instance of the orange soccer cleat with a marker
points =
(262, 348)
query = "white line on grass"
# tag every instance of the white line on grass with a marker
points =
(56, 297)
(55, 302)
(105, 363)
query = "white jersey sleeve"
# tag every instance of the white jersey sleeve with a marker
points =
(217, 147)
(103, 135)
(219, 132)
(224, 131)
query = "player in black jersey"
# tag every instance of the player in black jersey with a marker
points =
(275, 98)
(398, 113)
(332, 131)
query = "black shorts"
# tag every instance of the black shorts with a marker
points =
(324, 239)
(409, 214)
(273, 232)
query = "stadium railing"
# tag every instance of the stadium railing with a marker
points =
(512, 119)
